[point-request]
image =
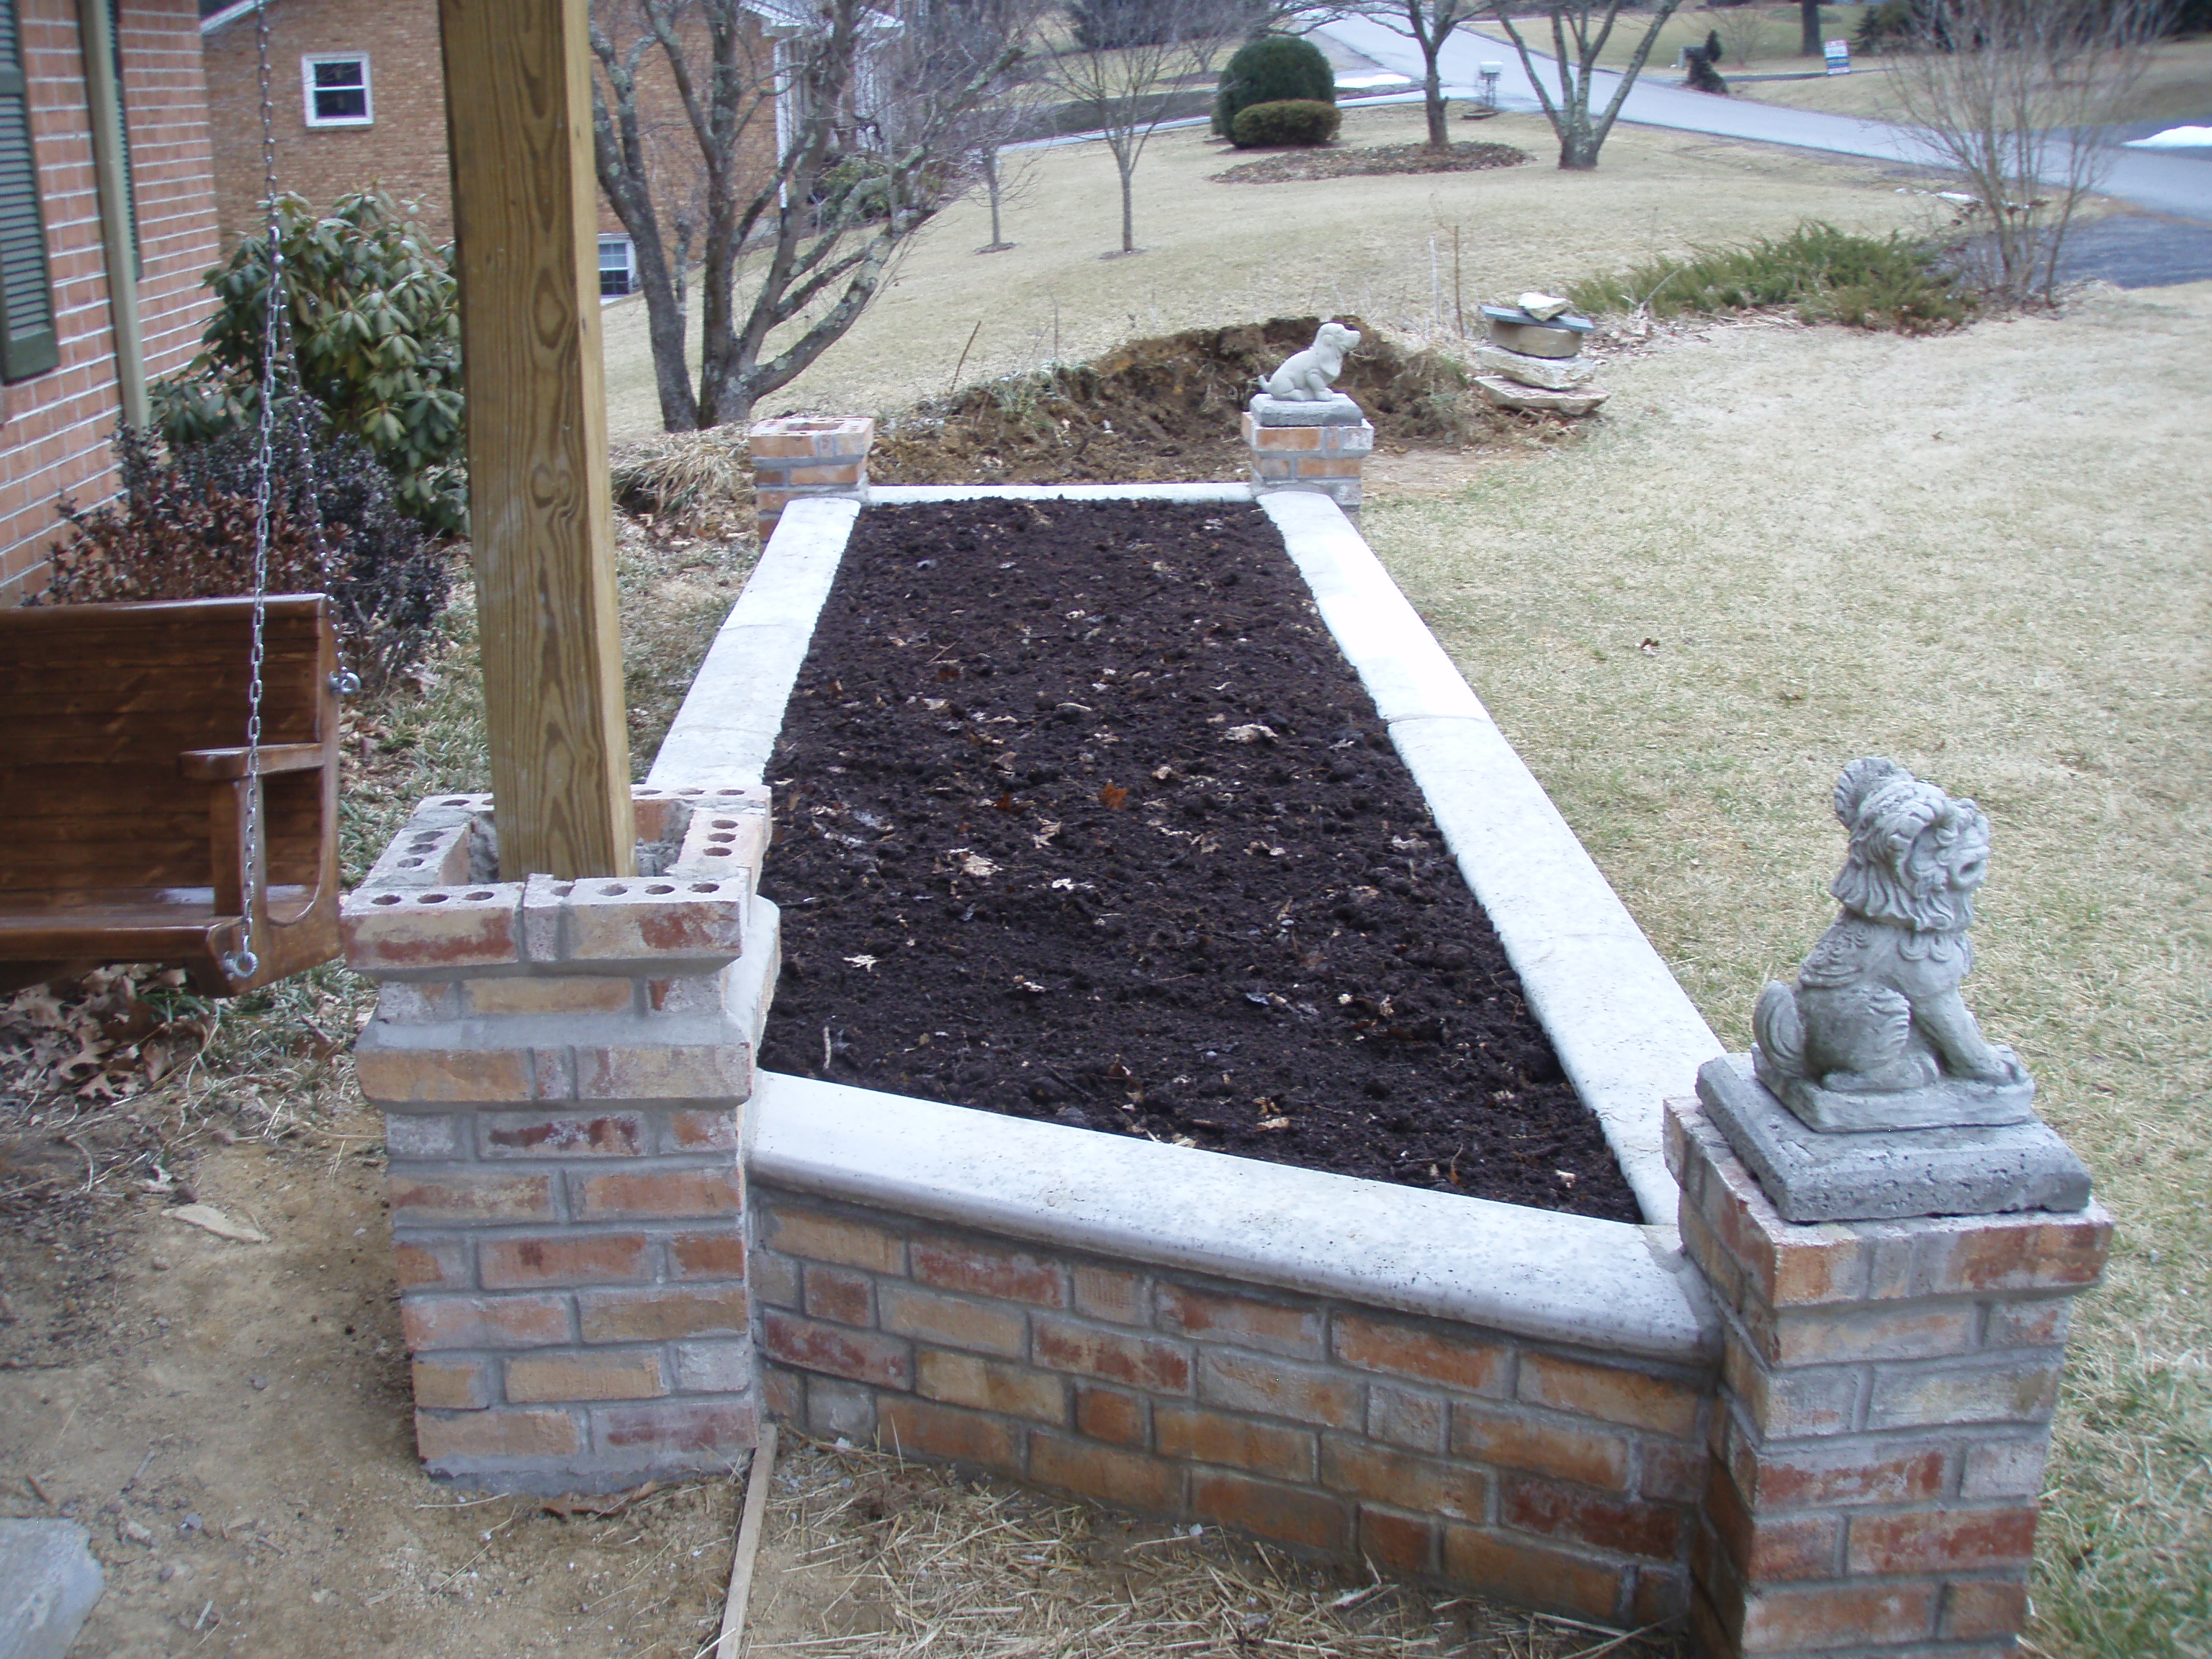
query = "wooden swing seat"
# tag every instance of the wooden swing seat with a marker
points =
(123, 789)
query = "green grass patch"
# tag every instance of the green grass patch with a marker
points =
(1895, 283)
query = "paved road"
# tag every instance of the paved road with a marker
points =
(2178, 184)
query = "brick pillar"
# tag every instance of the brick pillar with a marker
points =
(563, 1067)
(1885, 1411)
(798, 456)
(1319, 446)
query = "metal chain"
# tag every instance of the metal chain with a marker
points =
(244, 963)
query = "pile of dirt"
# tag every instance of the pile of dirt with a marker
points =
(1292, 166)
(1081, 816)
(1166, 410)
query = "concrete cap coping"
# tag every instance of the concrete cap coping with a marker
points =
(928, 494)
(1531, 1273)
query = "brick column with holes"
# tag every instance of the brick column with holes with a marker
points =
(798, 455)
(1316, 446)
(1884, 1414)
(562, 1067)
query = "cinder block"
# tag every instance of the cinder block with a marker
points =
(502, 1135)
(1283, 1327)
(1288, 1514)
(428, 1323)
(1194, 1434)
(918, 1426)
(1426, 1353)
(1376, 1474)
(952, 1321)
(1279, 1388)
(1521, 1570)
(661, 1313)
(980, 1269)
(885, 1362)
(460, 1198)
(822, 1237)
(434, 928)
(1153, 1363)
(472, 1440)
(705, 1434)
(451, 1384)
(634, 1374)
(659, 1194)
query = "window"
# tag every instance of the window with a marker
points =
(29, 344)
(618, 267)
(338, 90)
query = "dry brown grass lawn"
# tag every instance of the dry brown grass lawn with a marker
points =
(1983, 555)
(1219, 254)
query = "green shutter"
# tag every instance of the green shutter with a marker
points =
(29, 344)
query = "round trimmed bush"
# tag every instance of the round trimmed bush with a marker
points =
(1274, 69)
(1287, 121)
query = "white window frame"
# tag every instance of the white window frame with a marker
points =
(629, 266)
(307, 62)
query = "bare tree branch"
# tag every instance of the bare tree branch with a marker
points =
(1575, 49)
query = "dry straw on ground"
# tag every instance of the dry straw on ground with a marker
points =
(869, 1556)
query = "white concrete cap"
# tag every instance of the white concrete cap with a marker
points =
(926, 495)
(726, 729)
(1379, 633)
(49, 1581)
(1530, 1273)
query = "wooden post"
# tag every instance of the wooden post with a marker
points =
(519, 111)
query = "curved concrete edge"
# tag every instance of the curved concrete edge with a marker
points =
(1533, 1274)
(725, 731)
(926, 495)
(1628, 1034)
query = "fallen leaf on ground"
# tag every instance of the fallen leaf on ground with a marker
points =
(210, 1219)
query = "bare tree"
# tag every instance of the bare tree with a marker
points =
(1579, 34)
(799, 144)
(2010, 94)
(1124, 87)
(1428, 24)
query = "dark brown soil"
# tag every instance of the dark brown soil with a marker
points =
(1289, 165)
(1080, 815)
(1166, 409)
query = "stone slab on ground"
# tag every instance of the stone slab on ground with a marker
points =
(1552, 374)
(1891, 1175)
(1502, 393)
(48, 1582)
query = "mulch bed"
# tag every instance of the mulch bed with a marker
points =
(1080, 815)
(1289, 165)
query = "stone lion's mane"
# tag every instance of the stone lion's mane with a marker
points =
(1907, 840)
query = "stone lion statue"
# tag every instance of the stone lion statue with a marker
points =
(1875, 1034)
(1306, 377)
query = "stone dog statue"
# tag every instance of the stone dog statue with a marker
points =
(1875, 1034)
(1305, 376)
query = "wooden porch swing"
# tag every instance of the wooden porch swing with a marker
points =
(169, 771)
(125, 797)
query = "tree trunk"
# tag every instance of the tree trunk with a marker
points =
(990, 182)
(1128, 211)
(1439, 133)
(1578, 150)
(1810, 43)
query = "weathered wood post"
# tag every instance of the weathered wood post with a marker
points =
(573, 973)
(519, 103)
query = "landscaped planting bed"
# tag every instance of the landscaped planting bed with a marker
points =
(1082, 817)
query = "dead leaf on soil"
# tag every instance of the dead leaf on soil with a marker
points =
(1253, 733)
(1113, 796)
(210, 1219)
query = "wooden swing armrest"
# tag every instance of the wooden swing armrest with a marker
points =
(228, 765)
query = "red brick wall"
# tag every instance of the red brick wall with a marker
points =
(55, 427)
(404, 149)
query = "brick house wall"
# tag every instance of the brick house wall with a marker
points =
(55, 427)
(403, 147)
